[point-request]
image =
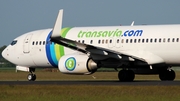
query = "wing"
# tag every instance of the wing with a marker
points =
(94, 51)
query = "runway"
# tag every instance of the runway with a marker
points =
(135, 83)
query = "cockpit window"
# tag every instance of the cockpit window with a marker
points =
(13, 42)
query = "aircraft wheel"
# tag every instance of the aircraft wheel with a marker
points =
(122, 75)
(31, 77)
(131, 75)
(162, 75)
(171, 76)
(126, 75)
(167, 75)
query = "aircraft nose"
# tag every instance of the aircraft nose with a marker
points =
(4, 53)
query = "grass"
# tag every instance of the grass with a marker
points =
(83, 92)
(88, 93)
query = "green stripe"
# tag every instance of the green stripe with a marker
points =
(57, 50)
(64, 31)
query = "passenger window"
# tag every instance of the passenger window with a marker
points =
(126, 40)
(146, 40)
(91, 41)
(83, 41)
(139, 40)
(177, 40)
(110, 41)
(151, 40)
(134, 40)
(36, 42)
(122, 41)
(155, 40)
(44, 42)
(106, 41)
(99, 41)
(117, 40)
(168, 39)
(131, 41)
(173, 40)
(164, 40)
(13, 42)
(159, 40)
(33, 43)
(102, 41)
(40, 43)
(142, 40)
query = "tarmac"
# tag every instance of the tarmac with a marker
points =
(84, 82)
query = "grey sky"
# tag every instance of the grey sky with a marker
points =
(20, 16)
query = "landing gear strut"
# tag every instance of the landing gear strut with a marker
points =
(31, 76)
(126, 75)
(167, 75)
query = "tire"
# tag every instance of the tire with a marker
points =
(131, 75)
(166, 75)
(34, 77)
(31, 77)
(126, 75)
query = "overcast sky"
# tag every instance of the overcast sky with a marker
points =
(20, 16)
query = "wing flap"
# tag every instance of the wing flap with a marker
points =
(146, 56)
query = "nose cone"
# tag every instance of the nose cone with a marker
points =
(4, 53)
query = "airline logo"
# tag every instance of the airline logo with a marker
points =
(54, 51)
(110, 33)
(70, 64)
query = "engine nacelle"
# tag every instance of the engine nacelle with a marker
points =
(77, 64)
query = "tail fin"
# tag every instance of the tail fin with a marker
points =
(58, 25)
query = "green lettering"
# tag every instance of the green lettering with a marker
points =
(99, 34)
(104, 34)
(118, 34)
(107, 33)
(88, 34)
(94, 34)
(110, 33)
(83, 34)
(79, 34)
(115, 33)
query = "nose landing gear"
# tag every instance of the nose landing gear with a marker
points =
(32, 75)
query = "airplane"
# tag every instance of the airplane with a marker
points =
(139, 49)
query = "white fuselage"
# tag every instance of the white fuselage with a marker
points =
(154, 43)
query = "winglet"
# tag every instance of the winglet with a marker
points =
(58, 25)
(132, 24)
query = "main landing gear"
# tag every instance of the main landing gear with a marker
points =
(167, 75)
(126, 75)
(164, 75)
(32, 75)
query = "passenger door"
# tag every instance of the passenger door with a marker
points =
(26, 44)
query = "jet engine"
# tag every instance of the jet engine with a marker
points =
(77, 64)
